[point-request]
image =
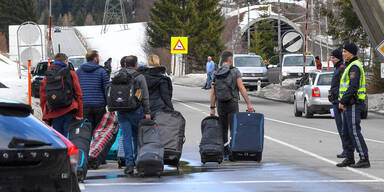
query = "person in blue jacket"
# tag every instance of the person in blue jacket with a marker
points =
(93, 81)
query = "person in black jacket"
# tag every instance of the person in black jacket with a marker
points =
(159, 86)
(337, 59)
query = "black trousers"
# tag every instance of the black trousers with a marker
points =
(226, 111)
(94, 115)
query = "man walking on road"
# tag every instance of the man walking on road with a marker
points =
(53, 99)
(226, 86)
(210, 67)
(129, 121)
(93, 81)
(352, 94)
(337, 59)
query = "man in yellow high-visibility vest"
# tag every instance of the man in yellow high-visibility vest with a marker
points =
(352, 94)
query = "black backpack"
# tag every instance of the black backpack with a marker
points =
(59, 88)
(223, 87)
(124, 94)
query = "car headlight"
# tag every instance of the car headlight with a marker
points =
(285, 74)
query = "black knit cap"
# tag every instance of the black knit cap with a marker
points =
(351, 47)
(337, 53)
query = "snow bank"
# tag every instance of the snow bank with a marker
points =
(17, 89)
(191, 80)
(117, 42)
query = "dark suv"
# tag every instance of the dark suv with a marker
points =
(38, 75)
(33, 156)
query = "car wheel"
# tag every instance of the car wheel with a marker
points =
(307, 110)
(295, 110)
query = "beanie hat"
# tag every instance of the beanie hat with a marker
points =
(351, 47)
(337, 53)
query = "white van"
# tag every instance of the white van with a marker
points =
(252, 69)
(292, 65)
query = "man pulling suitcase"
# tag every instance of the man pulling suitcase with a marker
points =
(227, 84)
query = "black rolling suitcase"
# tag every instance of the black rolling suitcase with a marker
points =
(247, 137)
(211, 144)
(172, 133)
(149, 160)
(79, 133)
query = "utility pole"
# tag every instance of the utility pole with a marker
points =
(50, 20)
(312, 24)
(279, 41)
(326, 32)
(249, 30)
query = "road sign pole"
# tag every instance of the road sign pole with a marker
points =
(382, 70)
(279, 42)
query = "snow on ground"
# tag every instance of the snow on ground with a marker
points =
(17, 89)
(191, 80)
(117, 42)
(301, 3)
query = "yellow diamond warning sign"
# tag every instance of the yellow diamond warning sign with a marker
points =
(179, 45)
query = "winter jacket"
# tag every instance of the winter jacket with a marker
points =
(159, 88)
(93, 81)
(77, 105)
(354, 84)
(335, 84)
(144, 88)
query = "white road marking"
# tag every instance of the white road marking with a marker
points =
(233, 182)
(301, 126)
(323, 158)
(82, 186)
(377, 179)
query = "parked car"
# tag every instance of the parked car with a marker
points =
(33, 156)
(57, 29)
(77, 61)
(312, 95)
(38, 74)
(290, 67)
(252, 69)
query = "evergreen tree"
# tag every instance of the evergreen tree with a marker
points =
(15, 12)
(200, 20)
(263, 41)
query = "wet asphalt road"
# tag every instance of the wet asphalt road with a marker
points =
(299, 155)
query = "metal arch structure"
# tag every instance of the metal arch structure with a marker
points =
(114, 13)
(271, 17)
(28, 45)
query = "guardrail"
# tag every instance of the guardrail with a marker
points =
(81, 38)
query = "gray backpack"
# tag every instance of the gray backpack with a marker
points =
(223, 84)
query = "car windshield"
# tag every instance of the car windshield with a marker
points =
(76, 62)
(41, 68)
(325, 79)
(248, 62)
(298, 61)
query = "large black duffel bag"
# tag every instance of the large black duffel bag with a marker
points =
(172, 133)
(149, 160)
(79, 133)
(211, 144)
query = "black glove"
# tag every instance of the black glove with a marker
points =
(331, 98)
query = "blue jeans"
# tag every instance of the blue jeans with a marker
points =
(61, 123)
(209, 79)
(129, 124)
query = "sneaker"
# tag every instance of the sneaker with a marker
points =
(129, 170)
(362, 164)
(346, 162)
(342, 155)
